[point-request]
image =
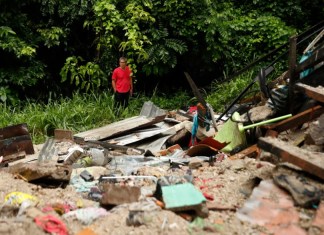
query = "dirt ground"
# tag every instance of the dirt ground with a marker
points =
(228, 184)
(240, 196)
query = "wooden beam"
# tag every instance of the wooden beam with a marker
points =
(119, 128)
(315, 93)
(311, 162)
(253, 152)
(296, 120)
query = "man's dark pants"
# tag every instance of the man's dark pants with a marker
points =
(121, 99)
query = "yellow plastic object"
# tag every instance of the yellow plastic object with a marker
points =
(16, 198)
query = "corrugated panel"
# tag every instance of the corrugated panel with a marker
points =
(126, 125)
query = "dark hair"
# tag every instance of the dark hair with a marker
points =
(123, 58)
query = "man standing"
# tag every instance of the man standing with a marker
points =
(122, 83)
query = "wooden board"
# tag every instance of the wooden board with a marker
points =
(316, 93)
(296, 120)
(118, 128)
(311, 162)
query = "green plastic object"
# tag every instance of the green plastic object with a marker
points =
(181, 195)
(242, 128)
(231, 134)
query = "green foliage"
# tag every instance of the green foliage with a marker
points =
(88, 76)
(171, 101)
(297, 13)
(52, 36)
(68, 11)
(241, 38)
(118, 27)
(41, 38)
(11, 43)
(224, 93)
(23, 76)
(173, 13)
(133, 28)
(7, 96)
(163, 53)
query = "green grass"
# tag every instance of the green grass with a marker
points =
(80, 113)
(224, 93)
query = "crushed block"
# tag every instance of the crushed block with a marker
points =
(119, 194)
(184, 197)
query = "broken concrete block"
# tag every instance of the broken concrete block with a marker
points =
(184, 197)
(195, 163)
(60, 134)
(315, 133)
(45, 171)
(170, 180)
(14, 157)
(141, 213)
(305, 190)
(183, 137)
(169, 150)
(73, 155)
(119, 194)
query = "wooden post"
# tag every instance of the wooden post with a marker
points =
(292, 72)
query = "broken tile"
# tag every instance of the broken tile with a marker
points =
(271, 207)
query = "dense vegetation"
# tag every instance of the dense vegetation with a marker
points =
(51, 50)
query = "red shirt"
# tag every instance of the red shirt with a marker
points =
(123, 79)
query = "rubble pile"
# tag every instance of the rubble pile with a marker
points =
(254, 169)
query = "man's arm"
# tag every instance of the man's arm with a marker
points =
(113, 83)
(131, 85)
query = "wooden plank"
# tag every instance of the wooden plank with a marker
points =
(253, 152)
(316, 93)
(12, 131)
(296, 120)
(272, 133)
(114, 146)
(16, 144)
(311, 162)
(118, 128)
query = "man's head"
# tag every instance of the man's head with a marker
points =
(122, 62)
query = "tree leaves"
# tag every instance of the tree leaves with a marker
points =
(88, 76)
